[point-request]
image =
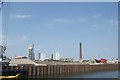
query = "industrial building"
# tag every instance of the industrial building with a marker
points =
(57, 56)
(41, 56)
(67, 59)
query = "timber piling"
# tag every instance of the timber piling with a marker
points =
(67, 69)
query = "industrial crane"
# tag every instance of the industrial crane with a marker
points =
(2, 47)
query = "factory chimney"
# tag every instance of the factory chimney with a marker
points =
(80, 52)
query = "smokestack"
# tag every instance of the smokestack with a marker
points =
(80, 52)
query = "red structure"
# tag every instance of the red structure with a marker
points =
(102, 60)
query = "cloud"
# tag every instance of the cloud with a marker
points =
(106, 49)
(62, 20)
(52, 22)
(82, 20)
(20, 16)
(37, 47)
(113, 26)
(95, 26)
(113, 22)
(21, 38)
(96, 16)
(103, 49)
(2, 37)
(20, 10)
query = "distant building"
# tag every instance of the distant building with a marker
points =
(113, 61)
(31, 54)
(67, 59)
(41, 56)
(57, 56)
(21, 57)
(51, 56)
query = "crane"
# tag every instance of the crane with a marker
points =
(2, 44)
(2, 48)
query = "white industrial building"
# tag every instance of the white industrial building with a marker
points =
(41, 56)
(57, 56)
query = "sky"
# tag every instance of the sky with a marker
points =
(60, 0)
(60, 27)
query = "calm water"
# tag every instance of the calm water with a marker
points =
(101, 74)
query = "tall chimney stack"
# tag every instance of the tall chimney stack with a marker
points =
(80, 52)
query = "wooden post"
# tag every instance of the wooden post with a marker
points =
(54, 69)
(41, 70)
(51, 69)
(48, 69)
(38, 71)
(29, 71)
(34, 70)
(44, 70)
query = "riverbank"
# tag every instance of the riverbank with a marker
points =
(94, 74)
(67, 69)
